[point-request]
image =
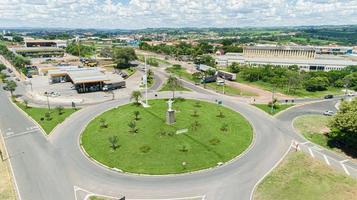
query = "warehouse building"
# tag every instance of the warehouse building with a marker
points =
(319, 63)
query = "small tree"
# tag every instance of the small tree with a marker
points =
(137, 114)
(195, 113)
(133, 128)
(113, 140)
(195, 125)
(103, 123)
(173, 84)
(11, 86)
(60, 110)
(136, 95)
(220, 114)
(224, 127)
(26, 104)
(48, 116)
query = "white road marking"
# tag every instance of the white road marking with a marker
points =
(343, 161)
(11, 169)
(345, 169)
(8, 135)
(326, 160)
(305, 142)
(312, 155)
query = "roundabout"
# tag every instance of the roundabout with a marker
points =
(138, 140)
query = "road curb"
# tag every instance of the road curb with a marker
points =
(12, 177)
(267, 173)
(29, 117)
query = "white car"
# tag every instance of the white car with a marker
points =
(328, 113)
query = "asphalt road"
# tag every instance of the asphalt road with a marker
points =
(52, 167)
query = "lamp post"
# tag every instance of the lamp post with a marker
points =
(48, 102)
(272, 100)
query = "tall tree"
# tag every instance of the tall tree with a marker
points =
(173, 84)
(11, 86)
(123, 56)
(136, 95)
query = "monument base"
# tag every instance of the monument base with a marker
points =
(170, 117)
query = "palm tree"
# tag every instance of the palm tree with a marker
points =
(173, 84)
(136, 113)
(133, 128)
(113, 140)
(60, 110)
(136, 95)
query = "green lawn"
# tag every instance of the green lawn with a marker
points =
(298, 93)
(47, 124)
(229, 90)
(182, 73)
(99, 198)
(130, 71)
(166, 87)
(314, 128)
(301, 177)
(156, 148)
(267, 108)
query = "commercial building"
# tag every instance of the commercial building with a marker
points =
(84, 79)
(294, 52)
(318, 63)
(39, 52)
(45, 43)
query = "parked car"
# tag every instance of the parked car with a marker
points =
(329, 96)
(328, 113)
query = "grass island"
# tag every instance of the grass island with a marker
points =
(138, 140)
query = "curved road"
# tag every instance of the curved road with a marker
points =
(52, 167)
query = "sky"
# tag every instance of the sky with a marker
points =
(137, 14)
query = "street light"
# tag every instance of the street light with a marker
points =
(48, 102)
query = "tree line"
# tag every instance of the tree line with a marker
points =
(18, 61)
(291, 79)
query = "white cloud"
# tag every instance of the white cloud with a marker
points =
(174, 13)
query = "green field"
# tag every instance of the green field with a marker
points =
(229, 90)
(166, 87)
(48, 124)
(298, 92)
(301, 177)
(315, 128)
(267, 108)
(157, 148)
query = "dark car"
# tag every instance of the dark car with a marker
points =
(329, 96)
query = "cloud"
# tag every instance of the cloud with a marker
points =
(129, 14)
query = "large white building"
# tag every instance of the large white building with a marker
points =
(306, 58)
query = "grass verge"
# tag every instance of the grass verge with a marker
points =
(267, 108)
(166, 87)
(315, 129)
(6, 188)
(47, 123)
(198, 140)
(298, 92)
(301, 177)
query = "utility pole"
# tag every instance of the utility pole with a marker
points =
(224, 83)
(146, 83)
(272, 100)
(48, 102)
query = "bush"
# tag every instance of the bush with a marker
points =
(145, 149)
(214, 141)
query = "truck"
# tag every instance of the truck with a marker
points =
(113, 85)
(227, 75)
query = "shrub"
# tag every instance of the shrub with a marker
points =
(103, 123)
(214, 141)
(145, 148)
